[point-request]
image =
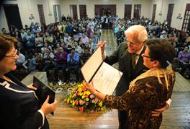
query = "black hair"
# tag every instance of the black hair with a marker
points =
(161, 50)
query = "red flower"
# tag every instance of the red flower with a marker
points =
(81, 109)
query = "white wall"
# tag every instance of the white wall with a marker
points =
(179, 7)
(48, 10)
(3, 21)
(120, 6)
(28, 7)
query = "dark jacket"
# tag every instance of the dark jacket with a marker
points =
(123, 57)
(19, 107)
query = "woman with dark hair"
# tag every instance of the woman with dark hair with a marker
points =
(20, 108)
(149, 90)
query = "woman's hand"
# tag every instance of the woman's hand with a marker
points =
(90, 87)
(48, 108)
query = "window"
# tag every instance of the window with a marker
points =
(186, 20)
(137, 11)
(82, 9)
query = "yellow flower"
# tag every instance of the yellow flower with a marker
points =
(87, 93)
(67, 100)
(73, 103)
(100, 104)
(83, 97)
(80, 89)
(87, 99)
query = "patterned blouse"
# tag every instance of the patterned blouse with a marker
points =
(148, 92)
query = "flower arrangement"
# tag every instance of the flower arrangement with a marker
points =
(83, 100)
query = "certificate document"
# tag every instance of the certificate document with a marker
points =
(104, 77)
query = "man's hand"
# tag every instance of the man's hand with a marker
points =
(102, 44)
(157, 112)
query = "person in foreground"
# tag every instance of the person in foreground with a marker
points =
(20, 107)
(148, 91)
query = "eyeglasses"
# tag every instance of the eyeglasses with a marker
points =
(131, 43)
(143, 55)
(13, 55)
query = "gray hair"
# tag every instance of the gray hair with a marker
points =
(138, 33)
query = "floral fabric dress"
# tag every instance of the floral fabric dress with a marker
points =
(147, 92)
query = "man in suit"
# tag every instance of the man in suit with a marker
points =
(128, 55)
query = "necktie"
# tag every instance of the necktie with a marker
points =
(133, 60)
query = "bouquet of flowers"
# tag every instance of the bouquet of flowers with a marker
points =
(83, 100)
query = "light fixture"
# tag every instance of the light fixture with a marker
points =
(160, 14)
(179, 16)
(31, 17)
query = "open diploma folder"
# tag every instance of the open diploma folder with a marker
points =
(43, 91)
(104, 77)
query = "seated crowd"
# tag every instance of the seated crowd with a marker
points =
(62, 48)
(58, 48)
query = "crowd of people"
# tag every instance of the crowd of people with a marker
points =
(46, 48)
(59, 48)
